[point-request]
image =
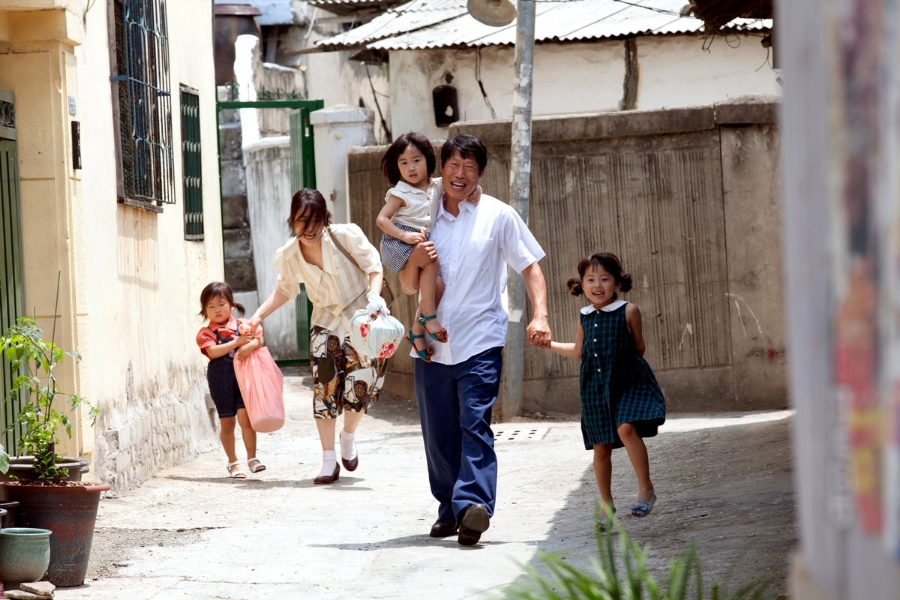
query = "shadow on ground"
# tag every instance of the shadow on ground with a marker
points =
(729, 491)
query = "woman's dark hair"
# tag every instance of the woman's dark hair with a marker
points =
(468, 146)
(218, 289)
(392, 155)
(310, 204)
(610, 262)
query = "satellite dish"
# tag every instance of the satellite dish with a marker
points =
(495, 13)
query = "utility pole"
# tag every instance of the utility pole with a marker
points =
(519, 193)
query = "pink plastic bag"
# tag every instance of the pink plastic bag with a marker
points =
(262, 385)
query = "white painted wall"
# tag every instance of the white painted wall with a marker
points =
(268, 164)
(337, 129)
(138, 281)
(577, 78)
(677, 71)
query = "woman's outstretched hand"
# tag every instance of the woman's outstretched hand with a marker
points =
(254, 323)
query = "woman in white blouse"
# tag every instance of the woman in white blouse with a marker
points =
(337, 287)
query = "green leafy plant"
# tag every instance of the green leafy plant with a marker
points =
(4, 460)
(632, 581)
(36, 387)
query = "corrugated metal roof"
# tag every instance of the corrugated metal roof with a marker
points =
(446, 23)
(395, 21)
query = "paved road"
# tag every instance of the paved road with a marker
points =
(192, 533)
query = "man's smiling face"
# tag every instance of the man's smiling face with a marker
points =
(460, 176)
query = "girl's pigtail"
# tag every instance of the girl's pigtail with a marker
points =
(625, 282)
(574, 285)
(240, 308)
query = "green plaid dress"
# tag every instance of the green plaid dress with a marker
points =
(617, 385)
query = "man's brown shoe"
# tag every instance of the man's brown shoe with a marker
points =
(474, 522)
(443, 528)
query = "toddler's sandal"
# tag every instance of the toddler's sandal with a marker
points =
(425, 353)
(255, 465)
(440, 335)
(237, 473)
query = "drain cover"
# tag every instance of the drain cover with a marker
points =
(521, 434)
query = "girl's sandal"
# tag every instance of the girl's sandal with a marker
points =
(425, 353)
(440, 335)
(237, 473)
(257, 467)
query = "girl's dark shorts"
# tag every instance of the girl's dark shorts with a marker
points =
(223, 387)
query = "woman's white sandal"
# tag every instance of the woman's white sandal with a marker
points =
(257, 467)
(238, 474)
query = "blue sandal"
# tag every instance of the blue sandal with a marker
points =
(440, 335)
(425, 353)
(603, 519)
(642, 508)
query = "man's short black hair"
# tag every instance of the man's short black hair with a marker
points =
(468, 146)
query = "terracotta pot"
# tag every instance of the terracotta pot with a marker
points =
(70, 512)
(21, 468)
(24, 555)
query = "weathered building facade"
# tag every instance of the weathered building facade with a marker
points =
(114, 104)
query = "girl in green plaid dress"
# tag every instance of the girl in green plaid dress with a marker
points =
(621, 402)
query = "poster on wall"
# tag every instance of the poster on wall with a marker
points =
(860, 35)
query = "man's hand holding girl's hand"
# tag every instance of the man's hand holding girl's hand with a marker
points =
(538, 332)
(422, 254)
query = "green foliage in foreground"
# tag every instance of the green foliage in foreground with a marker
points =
(630, 582)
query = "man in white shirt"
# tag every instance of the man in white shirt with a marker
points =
(475, 238)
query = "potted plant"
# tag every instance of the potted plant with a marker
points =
(35, 359)
(47, 498)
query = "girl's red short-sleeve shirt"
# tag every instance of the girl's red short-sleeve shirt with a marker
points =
(206, 337)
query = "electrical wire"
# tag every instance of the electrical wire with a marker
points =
(384, 125)
(480, 84)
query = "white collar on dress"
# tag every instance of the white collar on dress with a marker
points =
(403, 186)
(608, 308)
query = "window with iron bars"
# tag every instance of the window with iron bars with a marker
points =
(192, 165)
(142, 103)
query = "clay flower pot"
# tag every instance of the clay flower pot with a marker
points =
(70, 512)
(24, 555)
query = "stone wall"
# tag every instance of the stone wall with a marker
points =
(689, 200)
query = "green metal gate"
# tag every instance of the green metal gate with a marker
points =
(303, 174)
(12, 292)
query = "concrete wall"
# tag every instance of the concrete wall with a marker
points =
(688, 199)
(130, 282)
(596, 69)
(269, 201)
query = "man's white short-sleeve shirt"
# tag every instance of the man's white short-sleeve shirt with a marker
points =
(474, 249)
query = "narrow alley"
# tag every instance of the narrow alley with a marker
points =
(724, 482)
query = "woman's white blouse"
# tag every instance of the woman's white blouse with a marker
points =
(339, 288)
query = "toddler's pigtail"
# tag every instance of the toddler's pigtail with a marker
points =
(625, 282)
(240, 308)
(574, 285)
